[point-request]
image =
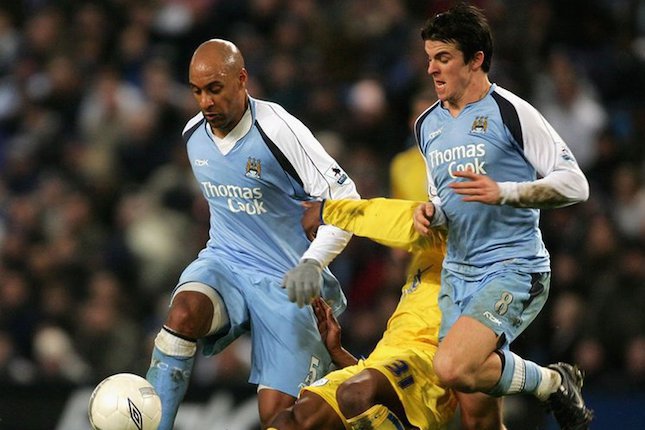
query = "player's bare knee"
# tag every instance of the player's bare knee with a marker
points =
(355, 396)
(453, 374)
(444, 368)
(190, 314)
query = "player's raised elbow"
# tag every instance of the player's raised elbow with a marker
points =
(572, 188)
(584, 195)
(580, 190)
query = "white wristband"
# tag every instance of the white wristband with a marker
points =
(509, 192)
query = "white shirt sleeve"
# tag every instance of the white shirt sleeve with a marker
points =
(561, 182)
(321, 177)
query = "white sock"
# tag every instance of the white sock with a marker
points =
(551, 381)
(170, 344)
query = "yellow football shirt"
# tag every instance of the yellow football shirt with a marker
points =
(405, 352)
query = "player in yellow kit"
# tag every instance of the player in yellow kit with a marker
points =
(395, 387)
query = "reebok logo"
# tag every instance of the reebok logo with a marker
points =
(492, 318)
(435, 133)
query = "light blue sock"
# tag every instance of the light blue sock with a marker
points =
(170, 376)
(518, 376)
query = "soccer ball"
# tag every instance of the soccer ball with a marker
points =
(124, 402)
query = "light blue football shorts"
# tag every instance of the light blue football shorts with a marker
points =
(506, 300)
(287, 352)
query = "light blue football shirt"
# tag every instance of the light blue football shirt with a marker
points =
(504, 137)
(255, 190)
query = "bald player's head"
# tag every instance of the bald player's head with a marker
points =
(217, 78)
(218, 51)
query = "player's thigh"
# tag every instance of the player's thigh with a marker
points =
(509, 301)
(326, 387)
(453, 293)
(354, 385)
(365, 389)
(226, 284)
(465, 347)
(506, 301)
(411, 375)
(287, 352)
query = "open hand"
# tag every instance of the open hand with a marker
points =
(422, 216)
(328, 325)
(476, 188)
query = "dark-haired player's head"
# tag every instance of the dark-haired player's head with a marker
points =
(466, 27)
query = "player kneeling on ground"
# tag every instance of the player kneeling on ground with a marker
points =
(395, 387)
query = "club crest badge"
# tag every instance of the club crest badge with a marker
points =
(480, 125)
(253, 168)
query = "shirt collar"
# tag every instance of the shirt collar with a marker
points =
(238, 132)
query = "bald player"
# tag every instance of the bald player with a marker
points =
(255, 164)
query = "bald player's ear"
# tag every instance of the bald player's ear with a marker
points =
(244, 76)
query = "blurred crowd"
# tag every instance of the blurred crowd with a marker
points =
(99, 212)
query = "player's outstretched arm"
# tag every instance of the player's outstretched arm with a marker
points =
(386, 221)
(330, 332)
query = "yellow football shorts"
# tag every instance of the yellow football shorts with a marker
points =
(406, 351)
(427, 405)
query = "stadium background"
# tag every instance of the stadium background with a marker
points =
(99, 212)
